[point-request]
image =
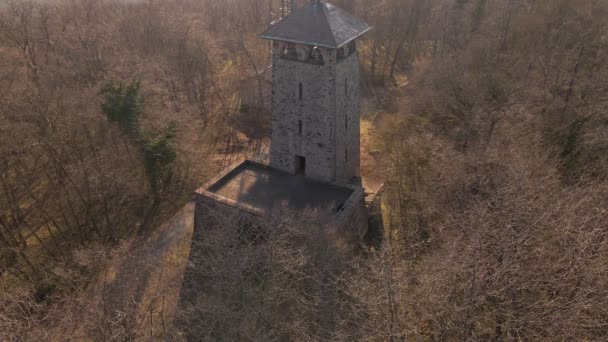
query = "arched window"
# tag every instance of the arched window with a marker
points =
(316, 55)
(290, 51)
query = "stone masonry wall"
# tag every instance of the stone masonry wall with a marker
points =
(348, 150)
(352, 221)
(217, 213)
(209, 213)
(315, 109)
(328, 110)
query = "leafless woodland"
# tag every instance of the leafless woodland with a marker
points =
(486, 119)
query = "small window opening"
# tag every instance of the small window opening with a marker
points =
(346, 86)
(316, 56)
(301, 90)
(346, 122)
(346, 154)
(300, 165)
(299, 127)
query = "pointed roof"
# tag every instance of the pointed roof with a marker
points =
(318, 23)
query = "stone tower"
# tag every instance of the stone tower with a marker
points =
(315, 132)
(315, 93)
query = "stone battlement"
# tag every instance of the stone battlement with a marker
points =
(256, 191)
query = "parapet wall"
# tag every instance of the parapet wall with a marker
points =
(213, 210)
(209, 213)
(351, 219)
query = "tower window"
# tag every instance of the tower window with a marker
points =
(300, 164)
(346, 86)
(299, 127)
(301, 90)
(345, 122)
(346, 154)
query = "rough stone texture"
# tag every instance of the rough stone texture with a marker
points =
(248, 196)
(352, 219)
(212, 208)
(326, 139)
(315, 117)
(211, 212)
(348, 119)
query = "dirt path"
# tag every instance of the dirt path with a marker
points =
(140, 290)
(170, 233)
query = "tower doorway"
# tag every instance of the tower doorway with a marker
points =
(300, 165)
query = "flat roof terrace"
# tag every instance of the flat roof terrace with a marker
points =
(263, 188)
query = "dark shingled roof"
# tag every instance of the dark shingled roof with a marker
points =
(318, 23)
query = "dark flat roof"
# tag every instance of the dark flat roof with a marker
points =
(264, 188)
